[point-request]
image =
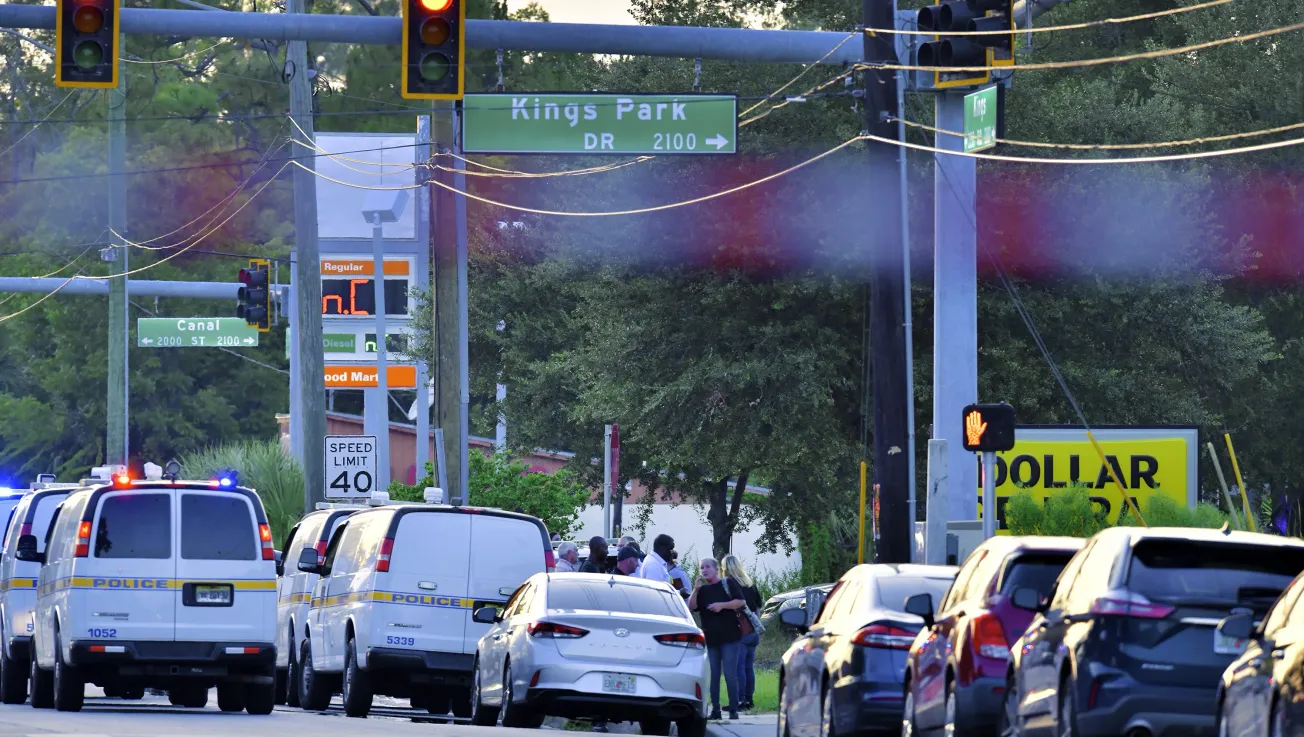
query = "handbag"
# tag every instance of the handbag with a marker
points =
(748, 622)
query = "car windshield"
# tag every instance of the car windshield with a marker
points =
(1201, 571)
(894, 590)
(618, 597)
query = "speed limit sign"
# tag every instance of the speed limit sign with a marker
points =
(350, 466)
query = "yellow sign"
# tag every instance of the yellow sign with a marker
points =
(1146, 466)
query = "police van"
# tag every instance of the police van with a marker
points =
(391, 612)
(159, 584)
(294, 589)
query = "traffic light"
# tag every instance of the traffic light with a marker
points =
(86, 43)
(434, 48)
(255, 297)
(994, 19)
(989, 428)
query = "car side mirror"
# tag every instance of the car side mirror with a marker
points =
(795, 618)
(27, 550)
(486, 615)
(280, 563)
(1028, 598)
(308, 561)
(921, 605)
(1237, 626)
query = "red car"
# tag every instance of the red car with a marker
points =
(955, 672)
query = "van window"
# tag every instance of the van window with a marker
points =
(602, 596)
(217, 527)
(135, 526)
(43, 515)
(11, 534)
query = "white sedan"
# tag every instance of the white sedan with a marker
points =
(591, 646)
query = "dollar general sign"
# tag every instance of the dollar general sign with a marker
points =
(1148, 461)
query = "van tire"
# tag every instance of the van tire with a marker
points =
(260, 698)
(42, 684)
(357, 684)
(230, 696)
(189, 695)
(292, 677)
(314, 690)
(517, 715)
(13, 680)
(69, 688)
(282, 678)
(133, 693)
(481, 715)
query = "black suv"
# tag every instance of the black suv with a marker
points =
(1128, 642)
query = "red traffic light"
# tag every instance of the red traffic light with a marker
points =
(245, 276)
(436, 6)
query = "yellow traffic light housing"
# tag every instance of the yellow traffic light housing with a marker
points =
(434, 49)
(255, 297)
(86, 43)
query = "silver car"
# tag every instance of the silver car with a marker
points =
(591, 646)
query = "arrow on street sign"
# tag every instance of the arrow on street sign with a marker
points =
(146, 341)
(719, 141)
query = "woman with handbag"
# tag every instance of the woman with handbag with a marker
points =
(720, 603)
(733, 570)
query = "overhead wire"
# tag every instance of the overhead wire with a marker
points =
(23, 137)
(1092, 162)
(1064, 27)
(170, 61)
(1106, 146)
(803, 73)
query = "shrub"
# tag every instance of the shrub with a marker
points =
(1071, 514)
(1160, 511)
(263, 467)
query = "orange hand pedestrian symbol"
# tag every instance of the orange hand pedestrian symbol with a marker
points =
(974, 427)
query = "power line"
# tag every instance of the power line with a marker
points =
(1092, 162)
(1109, 146)
(1065, 27)
(23, 137)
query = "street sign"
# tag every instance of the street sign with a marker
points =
(980, 111)
(364, 377)
(195, 332)
(600, 124)
(350, 466)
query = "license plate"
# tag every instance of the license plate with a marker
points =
(212, 594)
(1224, 645)
(612, 683)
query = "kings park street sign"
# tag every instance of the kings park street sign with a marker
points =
(195, 332)
(599, 124)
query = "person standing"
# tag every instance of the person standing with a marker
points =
(626, 561)
(656, 566)
(597, 560)
(568, 557)
(679, 577)
(718, 608)
(733, 569)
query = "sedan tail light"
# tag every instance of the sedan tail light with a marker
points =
(555, 631)
(692, 640)
(1119, 603)
(885, 636)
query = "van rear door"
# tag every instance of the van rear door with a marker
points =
(129, 567)
(225, 591)
(426, 584)
(509, 549)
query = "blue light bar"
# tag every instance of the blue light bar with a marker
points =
(225, 481)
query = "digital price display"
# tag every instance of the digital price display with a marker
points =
(348, 287)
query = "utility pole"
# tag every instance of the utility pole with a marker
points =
(887, 341)
(448, 256)
(117, 442)
(307, 277)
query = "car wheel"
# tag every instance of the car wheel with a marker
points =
(292, 677)
(908, 713)
(314, 692)
(42, 684)
(460, 702)
(69, 688)
(13, 679)
(260, 698)
(513, 714)
(1066, 722)
(660, 727)
(827, 728)
(484, 716)
(230, 696)
(1008, 726)
(694, 726)
(357, 684)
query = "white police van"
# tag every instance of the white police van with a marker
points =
(294, 589)
(391, 613)
(156, 584)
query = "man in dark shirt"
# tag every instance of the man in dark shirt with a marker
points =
(597, 560)
(626, 561)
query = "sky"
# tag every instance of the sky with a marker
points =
(580, 11)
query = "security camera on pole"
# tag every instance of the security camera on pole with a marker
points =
(989, 429)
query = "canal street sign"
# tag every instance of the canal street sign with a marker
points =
(600, 124)
(195, 332)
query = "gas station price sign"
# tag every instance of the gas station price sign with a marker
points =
(348, 287)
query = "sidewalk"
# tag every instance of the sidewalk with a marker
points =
(751, 725)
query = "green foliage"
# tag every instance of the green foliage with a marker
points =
(263, 467)
(1071, 513)
(829, 548)
(501, 482)
(1160, 511)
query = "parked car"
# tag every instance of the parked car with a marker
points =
(1262, 691)
(1128, 642)
(595, 646)
(848, 666)
(779, 603)
(955, 675)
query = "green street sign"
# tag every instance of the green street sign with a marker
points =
(600, 124)
(195, 332)
(330, 342)
(980, 119)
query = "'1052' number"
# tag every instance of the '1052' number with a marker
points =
(103, 633)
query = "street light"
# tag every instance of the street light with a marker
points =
(382, 207)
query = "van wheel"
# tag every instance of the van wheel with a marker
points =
(190, 695)
(484, 716)
(133, 693)
(13, 680)
(517, 715)
(357, 684)
(230, 696)
(292, 677)
(69, 688)
(260, 698)
(282, 678)
(314, 691)
(42, 684)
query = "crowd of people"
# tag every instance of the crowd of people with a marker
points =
(724, 596)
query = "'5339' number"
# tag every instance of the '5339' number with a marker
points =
(392, 640)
